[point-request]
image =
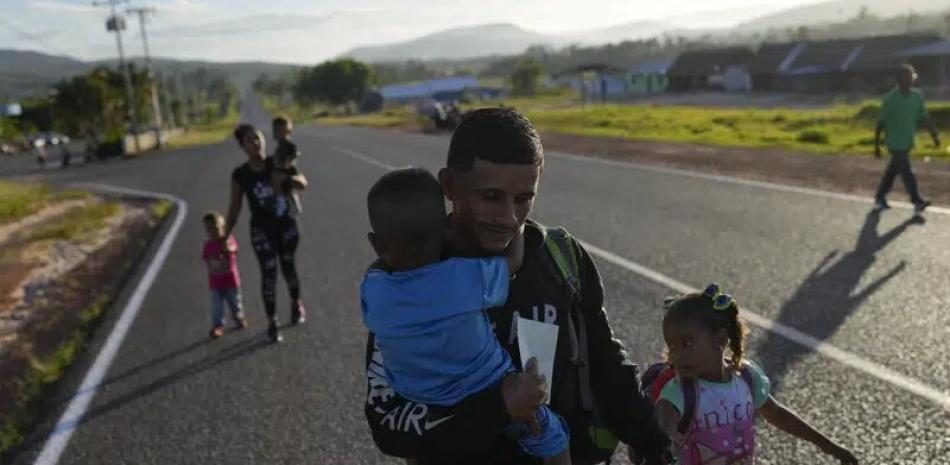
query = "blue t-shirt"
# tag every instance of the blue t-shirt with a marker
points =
(431, 327)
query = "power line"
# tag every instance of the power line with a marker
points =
(34, 37)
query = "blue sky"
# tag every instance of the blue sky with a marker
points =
(309, 31)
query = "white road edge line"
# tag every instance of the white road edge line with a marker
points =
(739, 181)
(70, 419)
(847, 358)
(840, 355)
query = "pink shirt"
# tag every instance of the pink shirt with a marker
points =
(222, 264)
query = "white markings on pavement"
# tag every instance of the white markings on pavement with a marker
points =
(738, 181)
(361, 157)
(70, 419)
(847, 358)
(854, 361)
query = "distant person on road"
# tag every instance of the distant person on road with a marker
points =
(224, 280)
(39, 148)
(710, 403)
(419, 305)
(65, 153)
(91, 145)
(494, 164)
(902, 111)
(285, 157)
(274, 233)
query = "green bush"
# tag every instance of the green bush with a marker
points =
(940, 115)
(729, 122)
(868, 111)
(813, 136)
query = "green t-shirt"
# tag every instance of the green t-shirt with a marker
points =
(900, 114)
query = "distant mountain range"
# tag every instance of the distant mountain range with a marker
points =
(509, 39)
(840, 10)
(499, 39)
(26, 73)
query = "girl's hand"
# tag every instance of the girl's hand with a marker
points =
(843, 455)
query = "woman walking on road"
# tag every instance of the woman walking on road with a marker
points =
(274, 234)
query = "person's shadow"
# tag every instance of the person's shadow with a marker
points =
(829, 295)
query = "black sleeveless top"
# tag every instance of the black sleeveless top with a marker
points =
(264, 203)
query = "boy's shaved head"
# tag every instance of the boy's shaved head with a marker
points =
(406, 203)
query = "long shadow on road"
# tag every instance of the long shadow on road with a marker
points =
(830, 294)
(234, 351)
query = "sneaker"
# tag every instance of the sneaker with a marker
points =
(241, 323)
(881, 205)
(217, 332)
(298, 314)
(921, 206)
(273, 334)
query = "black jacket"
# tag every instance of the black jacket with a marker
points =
(473, 431)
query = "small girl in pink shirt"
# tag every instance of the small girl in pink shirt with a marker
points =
(223, 278)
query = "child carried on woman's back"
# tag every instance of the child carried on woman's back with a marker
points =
(708, 403)
(428, 314)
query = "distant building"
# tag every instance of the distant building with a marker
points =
(596, 82)
(11, 109)
(650, 77)
(442, 89)
(932, 61)
(865, 65)
(723, 69)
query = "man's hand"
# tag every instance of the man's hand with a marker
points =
(524, 393)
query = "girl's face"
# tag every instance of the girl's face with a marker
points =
(694, 351)
(215, 229)
(253, 144)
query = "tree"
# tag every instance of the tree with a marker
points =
(97, 101)
(526, 76)
(335, 82)
(801, 34)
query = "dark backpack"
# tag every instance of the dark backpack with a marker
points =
(565, 265)
(659, 374)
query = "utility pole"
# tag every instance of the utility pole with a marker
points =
(166, 101)
(180, 91)
(156, 111)
(116, 24)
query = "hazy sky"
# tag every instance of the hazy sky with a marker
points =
(308, 31)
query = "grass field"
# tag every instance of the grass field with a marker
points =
(206, 133)
(841, 129)
(18, 200)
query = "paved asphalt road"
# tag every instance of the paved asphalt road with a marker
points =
(872, 287)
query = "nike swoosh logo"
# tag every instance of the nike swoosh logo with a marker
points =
(432, 424)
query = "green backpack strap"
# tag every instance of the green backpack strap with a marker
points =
(565, 255)
(562, 251)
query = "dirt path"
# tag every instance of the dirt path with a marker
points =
(842, 173)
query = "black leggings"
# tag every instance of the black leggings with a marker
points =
(275, 241)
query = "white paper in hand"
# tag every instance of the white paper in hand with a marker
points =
(538, 340)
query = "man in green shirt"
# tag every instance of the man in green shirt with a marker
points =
(901, 111)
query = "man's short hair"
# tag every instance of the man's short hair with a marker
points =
(907, 68)
(402, 196)
(497, 135)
